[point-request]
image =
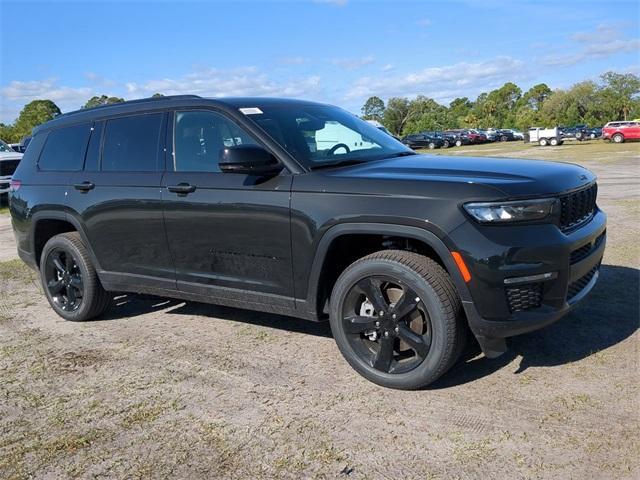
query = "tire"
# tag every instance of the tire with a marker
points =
(618, 138)
(431, 145)
(446, 144)
(503, 138)
(67, 273)
(458, 143)
(433, 328)
(579, 136)
(543, 142)
(593, 136)
(553, 142)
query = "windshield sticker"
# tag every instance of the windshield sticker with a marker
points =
(250, 110)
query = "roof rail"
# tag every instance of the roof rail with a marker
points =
(130, 102)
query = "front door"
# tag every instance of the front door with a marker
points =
(229, 234)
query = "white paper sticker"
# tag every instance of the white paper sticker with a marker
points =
(250, 110)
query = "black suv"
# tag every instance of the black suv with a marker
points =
(421, 140)
(225, 201)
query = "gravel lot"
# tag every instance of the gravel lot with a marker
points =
(161, 388)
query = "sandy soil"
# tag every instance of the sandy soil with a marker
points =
(160, 388)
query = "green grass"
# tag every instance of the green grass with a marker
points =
(4, 210)
(16, 270)
(572, 151)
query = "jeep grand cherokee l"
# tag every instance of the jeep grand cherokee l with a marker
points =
(224, 201)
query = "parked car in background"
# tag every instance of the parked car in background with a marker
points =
(517, 135)
(420, 140)
(461, 138)
(595, 132)
(447, 140)
(504, 135)
(545, 136)
(9, 160)
(577, 132)
(476, 136)
(619, 132)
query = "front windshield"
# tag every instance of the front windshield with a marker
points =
(4, 147)
(320, 135)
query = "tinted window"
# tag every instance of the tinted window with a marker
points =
(200, 136)
(131, 143)
(64, 148)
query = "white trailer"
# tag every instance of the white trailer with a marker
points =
(545, 136)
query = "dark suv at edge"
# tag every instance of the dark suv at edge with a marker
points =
(224, 201)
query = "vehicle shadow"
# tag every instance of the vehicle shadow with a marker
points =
(609, 315)
(133, 305)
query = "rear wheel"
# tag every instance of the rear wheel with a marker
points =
(553, 142)
(446, 144)
(431, 145)
(618, 138)
(543, 142)
(69, 279)
(458, 143)
(396, 318)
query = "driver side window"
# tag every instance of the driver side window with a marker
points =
(200, 136)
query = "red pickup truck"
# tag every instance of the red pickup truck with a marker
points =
(619, 132)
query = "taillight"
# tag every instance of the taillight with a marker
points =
(15, 185)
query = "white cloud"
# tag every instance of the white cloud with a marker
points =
(388, 67)
(603, 42)
(353, 63)
(210, 82)
(442, 83)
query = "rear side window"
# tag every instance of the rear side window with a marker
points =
(131, 144)
(64, 149)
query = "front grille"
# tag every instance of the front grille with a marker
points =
(576, 287)
(584, 251)
(577, 207)
(7, 167)
(524, 297)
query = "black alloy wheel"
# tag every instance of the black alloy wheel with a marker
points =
(64, 280)
(387, 325)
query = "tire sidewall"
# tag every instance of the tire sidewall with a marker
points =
(423, 373)
(65, 244)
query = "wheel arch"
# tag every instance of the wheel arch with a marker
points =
(48, 223)
(433, 244)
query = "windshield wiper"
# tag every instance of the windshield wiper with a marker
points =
(402, 154)
(342, 163)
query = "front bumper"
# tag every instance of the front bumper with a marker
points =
(496, 309)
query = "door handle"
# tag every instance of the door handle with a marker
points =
(84, 187)
(182, 189)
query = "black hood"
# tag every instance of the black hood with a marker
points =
(513, 177)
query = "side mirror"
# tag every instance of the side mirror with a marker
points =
(249, 160)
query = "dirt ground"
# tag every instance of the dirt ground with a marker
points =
(160, 388)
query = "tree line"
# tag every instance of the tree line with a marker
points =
(39, 111)
(615, 96)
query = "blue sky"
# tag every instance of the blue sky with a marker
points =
(338, 51)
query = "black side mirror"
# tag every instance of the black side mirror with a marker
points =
(248, 160)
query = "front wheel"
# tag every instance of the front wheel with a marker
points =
(618, 138)
(431, 145)
(69, 279)
(553, 142)
(397, 319)
(543, 142)
(458, 143)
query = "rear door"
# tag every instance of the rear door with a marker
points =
(117, 198)
(229, 233)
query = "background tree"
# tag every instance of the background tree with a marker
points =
(33, 114)
(373, 109)
(425, 114)
(459, 108)
(156, 95)
(96, 101)
(620, 93)
(396, 115)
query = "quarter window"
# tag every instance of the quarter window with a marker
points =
(131, 144)
(200, 136)
(64, 149)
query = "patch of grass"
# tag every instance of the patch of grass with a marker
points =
(16, 270)
(4, 210)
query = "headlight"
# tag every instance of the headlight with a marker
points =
(522, 211)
